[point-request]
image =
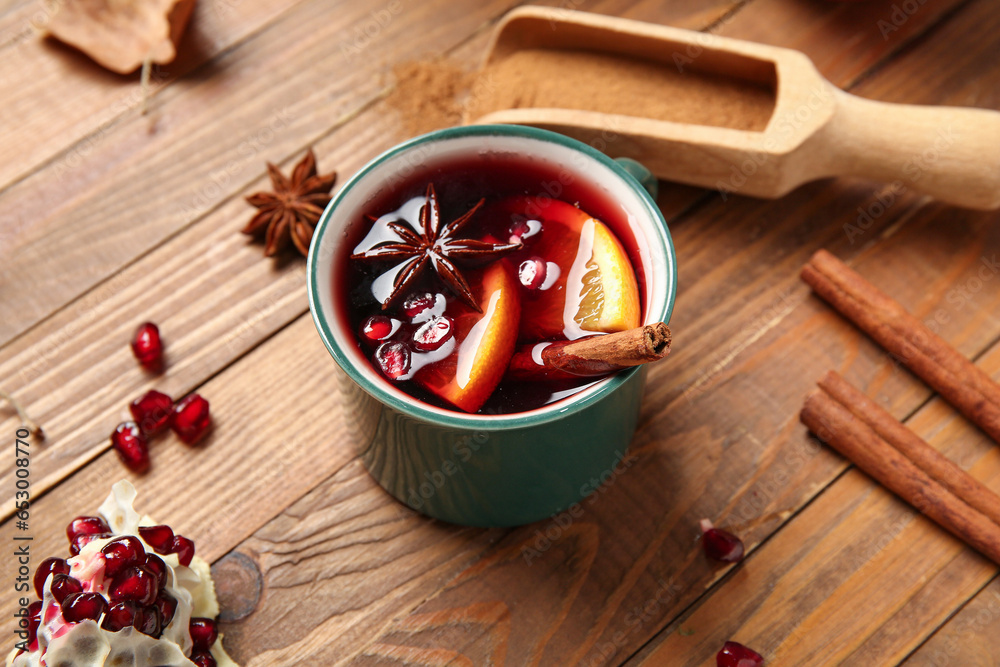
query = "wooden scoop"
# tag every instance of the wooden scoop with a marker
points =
(815, 131)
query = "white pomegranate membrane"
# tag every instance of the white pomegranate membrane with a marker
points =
(86, 643)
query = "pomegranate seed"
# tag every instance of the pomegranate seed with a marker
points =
(416, 304)
(47, 567)
(153, 411)
(134, 583)
(203, 633)
(166, 605)
(184, 548)
(86, 525)
(203, 659)
(531, 273)
(63, 585)
(121, 552)
(737, 655)
(191, 419)
(34, 620)
(146, 345)
(81, 606)
(147, 621)
(161, 538)
(158, 569)
(378, 327)
(80, 541)
(393, 359)
(132, 446)
(433, 334)
(523, 228)
(721, 545)
(120, 615)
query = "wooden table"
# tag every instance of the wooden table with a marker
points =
(109, 217)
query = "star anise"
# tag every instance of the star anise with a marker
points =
(437, 246)
(293, 209)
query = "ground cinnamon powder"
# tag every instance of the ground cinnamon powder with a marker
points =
(429, 95)
(549, 78)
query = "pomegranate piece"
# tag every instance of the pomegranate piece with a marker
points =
(120, 615)
(203, 659)
(417, 304)
(147, 621)
(80, 541)
(161, 538)
(157, 568)
(191, 419)
(45, 568)
(147, 347)
(203, 633)
(86, 525)
(531, 273)
(81, 606)
(64, 585)
(378, 327)
(153, 412)
(523, 228)
(434, 333)
(34, 620)
(132, 446)
(393, 359)
(719, 544)
(166, 605)
(737, 655)
(122, 552)
(184, 548)
(134, 583)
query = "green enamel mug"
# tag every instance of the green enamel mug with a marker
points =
(495, 469)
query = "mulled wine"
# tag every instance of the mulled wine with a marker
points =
(460, 275)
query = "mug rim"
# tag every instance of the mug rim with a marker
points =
(447, 417)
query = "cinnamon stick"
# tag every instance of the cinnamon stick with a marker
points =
(591, 356)
(840, 428)
(910, 445)
(960, 382)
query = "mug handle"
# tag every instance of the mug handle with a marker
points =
(639, 173)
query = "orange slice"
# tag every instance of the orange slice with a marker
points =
(485, 341)
(596, 289)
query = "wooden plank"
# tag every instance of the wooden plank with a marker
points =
(352, 554)
(39, 77)
(968, 638)
(759, 296)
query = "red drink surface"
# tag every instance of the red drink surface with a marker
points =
(432, 322)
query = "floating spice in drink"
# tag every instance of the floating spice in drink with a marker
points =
(471, 284)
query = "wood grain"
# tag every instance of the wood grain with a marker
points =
(604, 584)
(968, 638)
(47, 75)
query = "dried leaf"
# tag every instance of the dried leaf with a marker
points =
(121, 34)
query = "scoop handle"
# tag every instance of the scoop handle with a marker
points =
(950, 153)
